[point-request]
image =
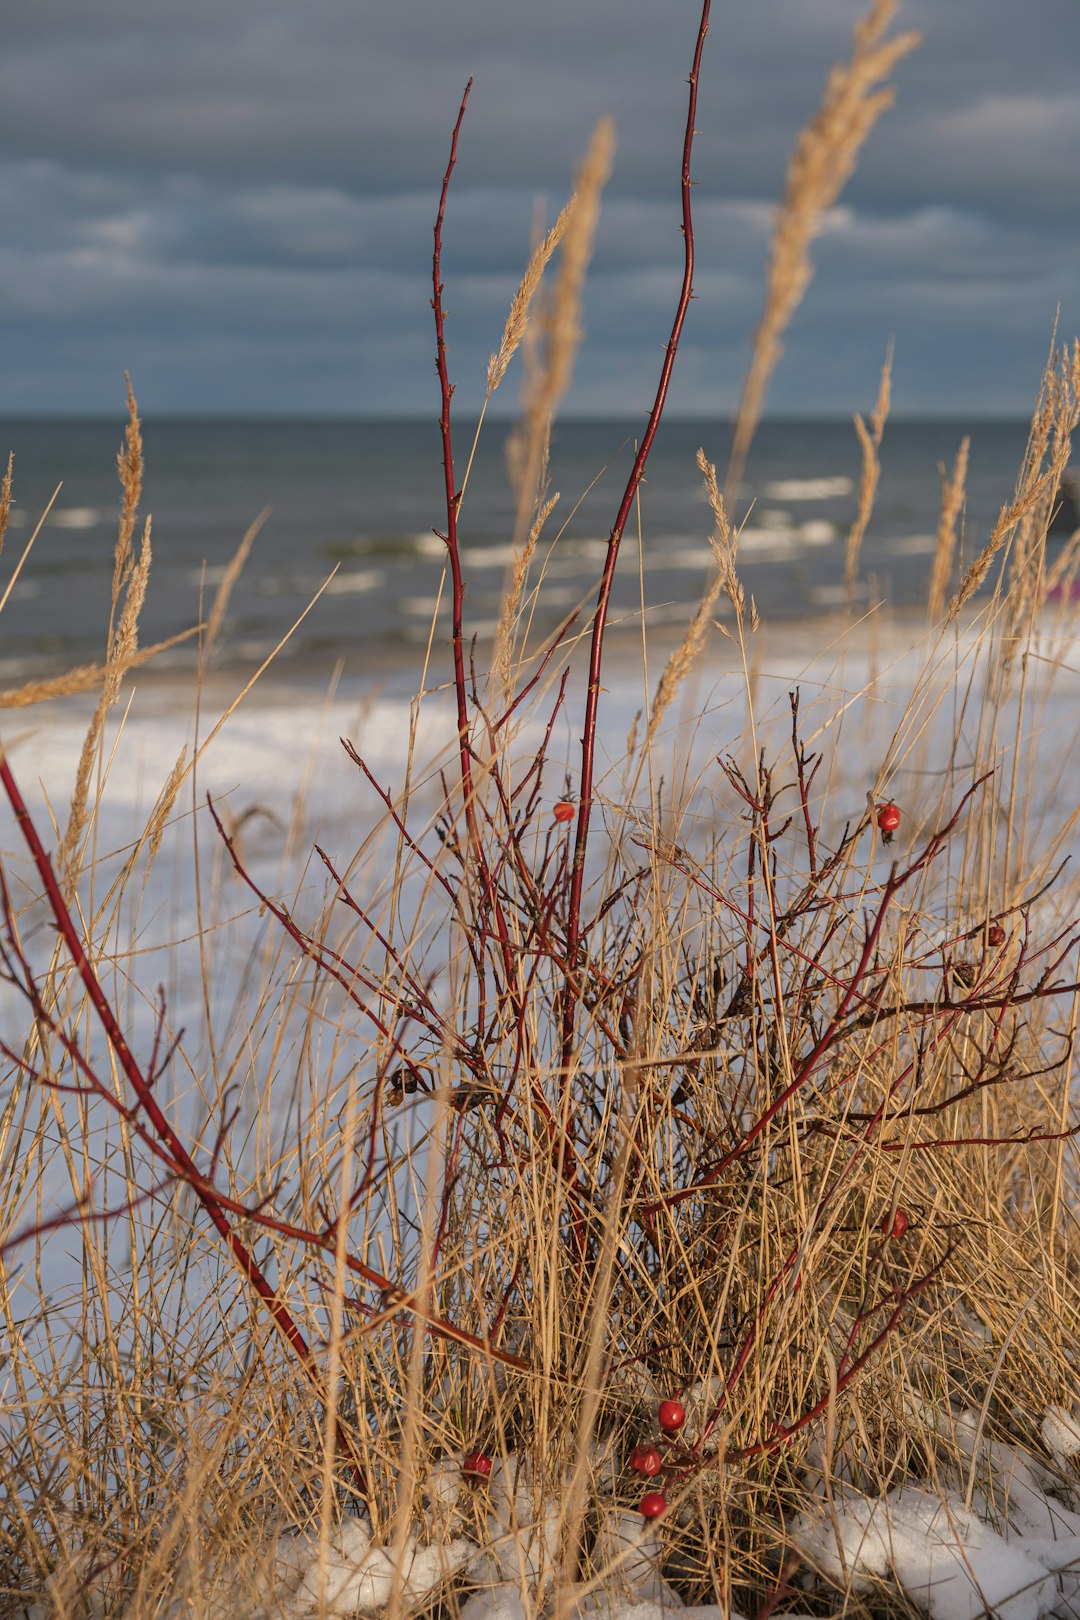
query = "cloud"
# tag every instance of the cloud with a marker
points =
(244, 193)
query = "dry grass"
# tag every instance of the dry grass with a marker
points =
(870, 445)
(790, 1035)
(823, 161)
(953, 488)
(548, 377)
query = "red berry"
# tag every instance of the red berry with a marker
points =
(672, 1416)
(652, 1504)
(564, 810)
(995, 934)
(476, 1465)
(646, 1459)
(896, 1225)
(888, 817)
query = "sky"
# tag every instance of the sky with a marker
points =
(233, 200)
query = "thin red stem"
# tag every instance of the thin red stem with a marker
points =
(179, 1154)
(450, 538)
(596, 653)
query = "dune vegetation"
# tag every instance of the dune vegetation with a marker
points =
(618, 1184)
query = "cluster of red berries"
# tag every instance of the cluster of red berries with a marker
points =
(671, 1415)
(646, 1460)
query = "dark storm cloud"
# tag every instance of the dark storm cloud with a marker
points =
(235, 201)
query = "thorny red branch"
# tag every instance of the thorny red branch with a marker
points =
(398, 1299)
(562, 1147)
(185, 1165)
(596, 651)
(453, 498)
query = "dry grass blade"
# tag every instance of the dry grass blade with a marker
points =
(953, 489)
(821, 165)
(130, 577)
(548, 374)
(84, 677)
(723, 544)
(129, 462)
(502, 653)
(1047, 456)
(126, 639)
(26, 550)
(562, 323)
(518, 319)
(1062, 574)
(560, 329)
(163, 809)
(870, 443)
(5, 500)
(228, 580)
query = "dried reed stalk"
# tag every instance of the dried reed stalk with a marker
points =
(166, 799)
(518, 319)
(1062, 575)
(603, 596)
(5, 500)
(129, 583)
(821, 165)
(129, 463)
(870, 441)
(723, 544)
(517, 325)
(502, 654)
(562, 323)
(229, 578)
(560, 330)
(1027, 584)
(83, 678)
(127, 629)
(953, 490)
(1047, 456)
(547, 379)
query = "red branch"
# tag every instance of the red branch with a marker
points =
(453, 498)
(596, 653)
(212, 1204)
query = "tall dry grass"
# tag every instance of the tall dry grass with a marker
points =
(824, 159)
(809, 1165)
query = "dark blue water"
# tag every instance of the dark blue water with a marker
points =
(365, 496)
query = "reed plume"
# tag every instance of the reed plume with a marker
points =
(821, 166)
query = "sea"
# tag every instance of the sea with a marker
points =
(351, 508)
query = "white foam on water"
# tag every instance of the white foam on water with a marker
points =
(493, 556)
(913, 545)
(358, 581)
(75, 517)
(809, 489)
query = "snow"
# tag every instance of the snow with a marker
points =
(523, 1527)
(992, 1537)
(1061, 1431)
(947, 1560)
(502, 1601)
(1008, 1550)
(357, 1577)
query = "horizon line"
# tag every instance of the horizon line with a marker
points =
(416, 418)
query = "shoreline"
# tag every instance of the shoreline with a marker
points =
(794, 645)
